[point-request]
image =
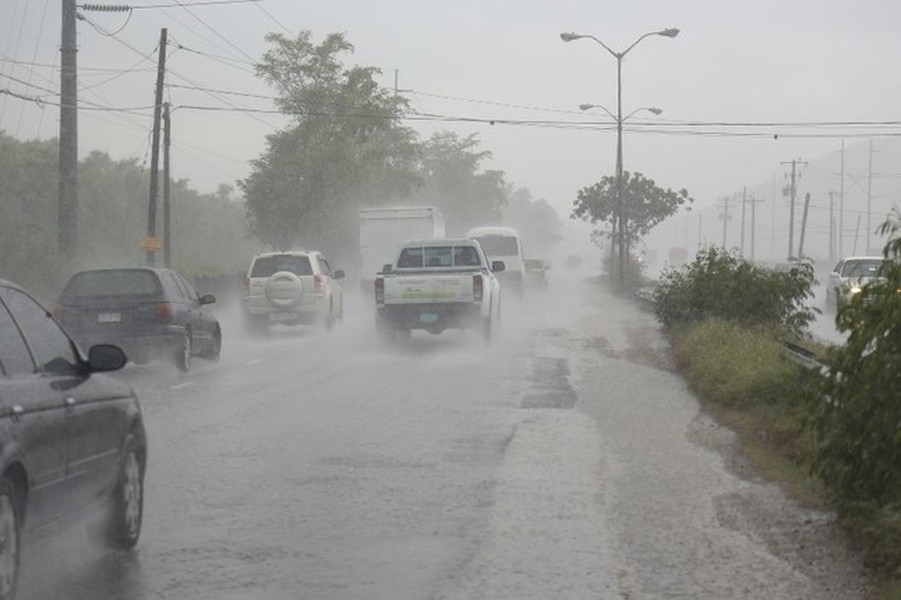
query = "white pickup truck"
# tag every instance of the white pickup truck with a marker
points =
(438, 284)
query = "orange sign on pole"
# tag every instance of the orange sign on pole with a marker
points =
(151, 244)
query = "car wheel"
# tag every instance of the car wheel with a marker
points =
(256, 324)
(215, 346)
(183, 352)
(127, 507)
(9, 539)
(329, 320)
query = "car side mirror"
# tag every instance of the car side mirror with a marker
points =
(387, 269)
(106, 357)
(207, 299)
(339, 274)
(498, 266)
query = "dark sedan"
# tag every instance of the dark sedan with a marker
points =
(150, 313)
(70, 438)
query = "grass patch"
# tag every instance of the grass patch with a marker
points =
(743, 379)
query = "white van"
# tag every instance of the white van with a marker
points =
(503, 243)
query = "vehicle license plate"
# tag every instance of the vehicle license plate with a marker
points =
(428, 318)
(113, 317)
(289, 316)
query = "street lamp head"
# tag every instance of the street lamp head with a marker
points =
(586, 106)
(670, 32)
(568, 37)
(655, 110)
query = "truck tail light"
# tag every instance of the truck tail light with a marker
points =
(477, 287)
(379, 290)
(317, 284)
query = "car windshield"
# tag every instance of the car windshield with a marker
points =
(862, 268)
(124, 282)
(266, 266)
(499, 245)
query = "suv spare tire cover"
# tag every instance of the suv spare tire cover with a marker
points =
(284, 289)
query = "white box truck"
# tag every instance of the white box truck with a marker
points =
(383, 228)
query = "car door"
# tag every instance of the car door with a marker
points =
(33, 408)
(335, 289)
(95, 420)
(201, 320)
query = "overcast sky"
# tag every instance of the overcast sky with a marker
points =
(762, 62)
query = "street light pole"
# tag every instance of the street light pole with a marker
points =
(616, 243)
(620, 204)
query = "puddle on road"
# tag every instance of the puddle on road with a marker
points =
(549, 385)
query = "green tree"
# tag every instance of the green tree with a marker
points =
(535, 220)
(343, 148)
(28, 211)
(208, 230)
(857, 415)
(450, 170)
(855, 412)
(645, 205)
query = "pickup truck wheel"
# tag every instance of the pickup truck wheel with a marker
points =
(328, 319)
(384, 329)
(486, 328)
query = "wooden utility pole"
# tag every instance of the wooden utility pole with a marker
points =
(152, 243)
(804, 225)
(754, 201)
(841, 205)
(793, 190)
(744, 201)
(869, 198)
(831, 228)
(167, 220)
(725, 217)
(67, 217)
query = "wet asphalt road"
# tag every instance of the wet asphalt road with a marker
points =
(564, 460)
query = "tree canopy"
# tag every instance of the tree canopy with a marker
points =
(344, 145)
(452, 180)
(645, 204)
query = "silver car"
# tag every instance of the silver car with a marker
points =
(291, 288)
(848, 278)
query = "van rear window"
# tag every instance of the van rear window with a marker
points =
(498, 245)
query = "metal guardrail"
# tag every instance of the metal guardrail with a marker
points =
(799, 354)
(802, 356)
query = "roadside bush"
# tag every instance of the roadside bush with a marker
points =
(855, 413)
(721, 285)
(733, 365)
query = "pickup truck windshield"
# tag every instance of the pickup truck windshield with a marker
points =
(438, 256)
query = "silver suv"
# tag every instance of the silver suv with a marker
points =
(291, 288)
